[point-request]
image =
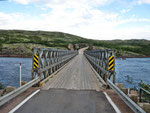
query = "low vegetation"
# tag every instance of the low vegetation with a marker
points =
(1, 86)
(19, 42)
(137, 86)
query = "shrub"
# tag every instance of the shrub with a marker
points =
(1, 86)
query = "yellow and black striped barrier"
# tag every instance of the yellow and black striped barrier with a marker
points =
(111, 63)
(36, 61)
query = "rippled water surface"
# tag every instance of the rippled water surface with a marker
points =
(10, 70)
(137, 68)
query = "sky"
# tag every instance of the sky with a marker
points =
(93, 19)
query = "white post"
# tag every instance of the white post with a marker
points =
(20, 73)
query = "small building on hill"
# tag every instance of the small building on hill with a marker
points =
(70, 46)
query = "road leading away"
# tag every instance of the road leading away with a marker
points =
(75, 89)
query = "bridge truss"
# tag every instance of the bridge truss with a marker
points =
(47, 61)
(99, 59)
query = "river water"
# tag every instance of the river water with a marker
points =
(137, 68)
(10, 70)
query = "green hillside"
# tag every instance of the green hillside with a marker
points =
(19, 42)
(130, 48)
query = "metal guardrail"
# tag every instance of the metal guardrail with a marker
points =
(17, 91)
(125, 98)
(147, 92)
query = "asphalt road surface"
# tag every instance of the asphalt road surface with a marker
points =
(67, 101)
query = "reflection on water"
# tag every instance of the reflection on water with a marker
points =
(137, 68)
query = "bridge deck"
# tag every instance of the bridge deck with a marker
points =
(76, 75)
(72, 90)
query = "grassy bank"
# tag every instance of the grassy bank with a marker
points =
(19, 42)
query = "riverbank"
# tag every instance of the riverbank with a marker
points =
(16, 56)
(124, 57)
(25, 56)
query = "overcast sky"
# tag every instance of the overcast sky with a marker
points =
(95, 19)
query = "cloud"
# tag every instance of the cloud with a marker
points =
(4, 19)
(25, 2)
(79, 17)
(55, 2)
(125, 10)
(144, 2)
(137, 20)
(100, 25)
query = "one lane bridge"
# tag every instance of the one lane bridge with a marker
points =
(72, 90)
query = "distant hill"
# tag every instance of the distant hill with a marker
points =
(20, 42)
